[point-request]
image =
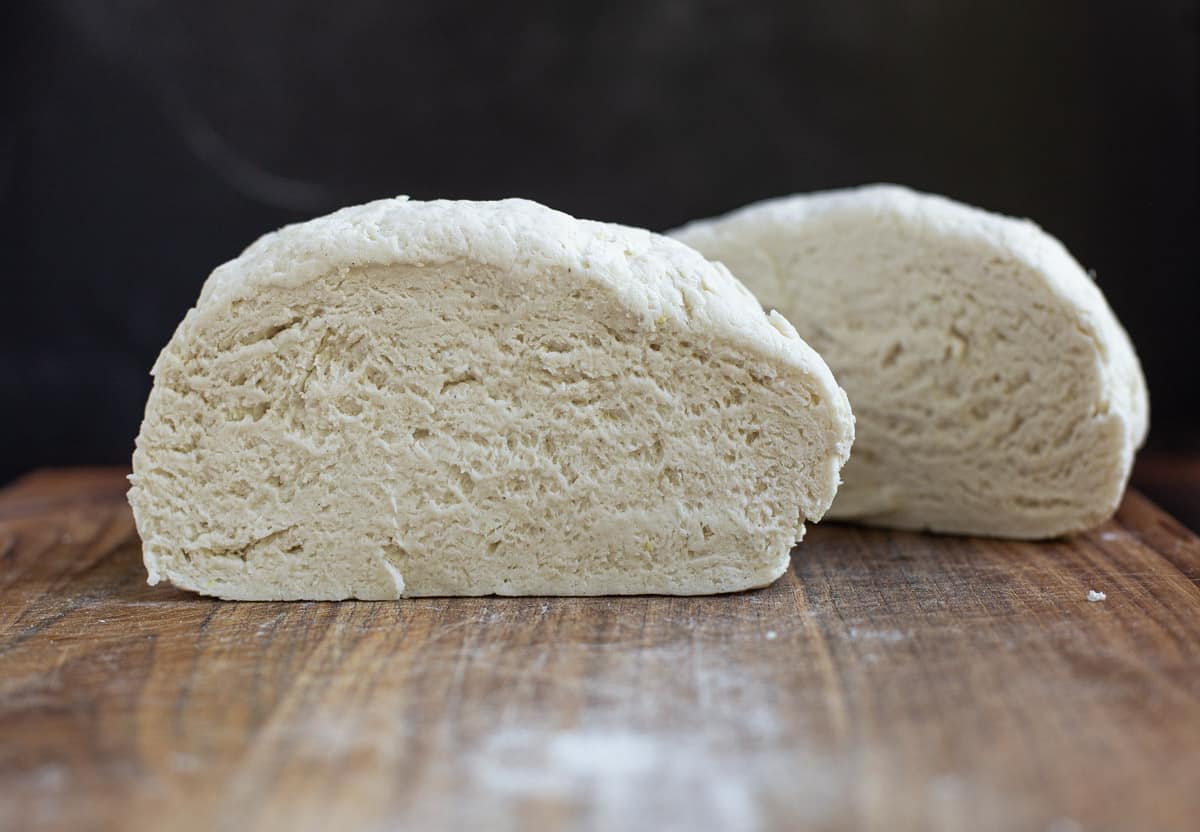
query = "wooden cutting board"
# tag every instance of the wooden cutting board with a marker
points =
(889, 681)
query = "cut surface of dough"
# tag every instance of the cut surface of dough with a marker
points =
(995, 392)
(457, 398)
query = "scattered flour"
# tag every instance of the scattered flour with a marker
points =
(185, 763)
(886, 636)
(1093, 595)
(948, 787)
(625, 779)
(1064, 825)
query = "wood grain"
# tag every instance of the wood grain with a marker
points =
(889, 681)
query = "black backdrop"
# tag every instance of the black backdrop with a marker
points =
(145, 142)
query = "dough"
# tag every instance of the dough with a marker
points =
(995, 391)
(459, 398)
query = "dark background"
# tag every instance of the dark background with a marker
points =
(145, 142)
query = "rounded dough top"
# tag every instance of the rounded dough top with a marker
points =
(655, 275)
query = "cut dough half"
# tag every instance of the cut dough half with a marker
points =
(458, 398)
(995, 391)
